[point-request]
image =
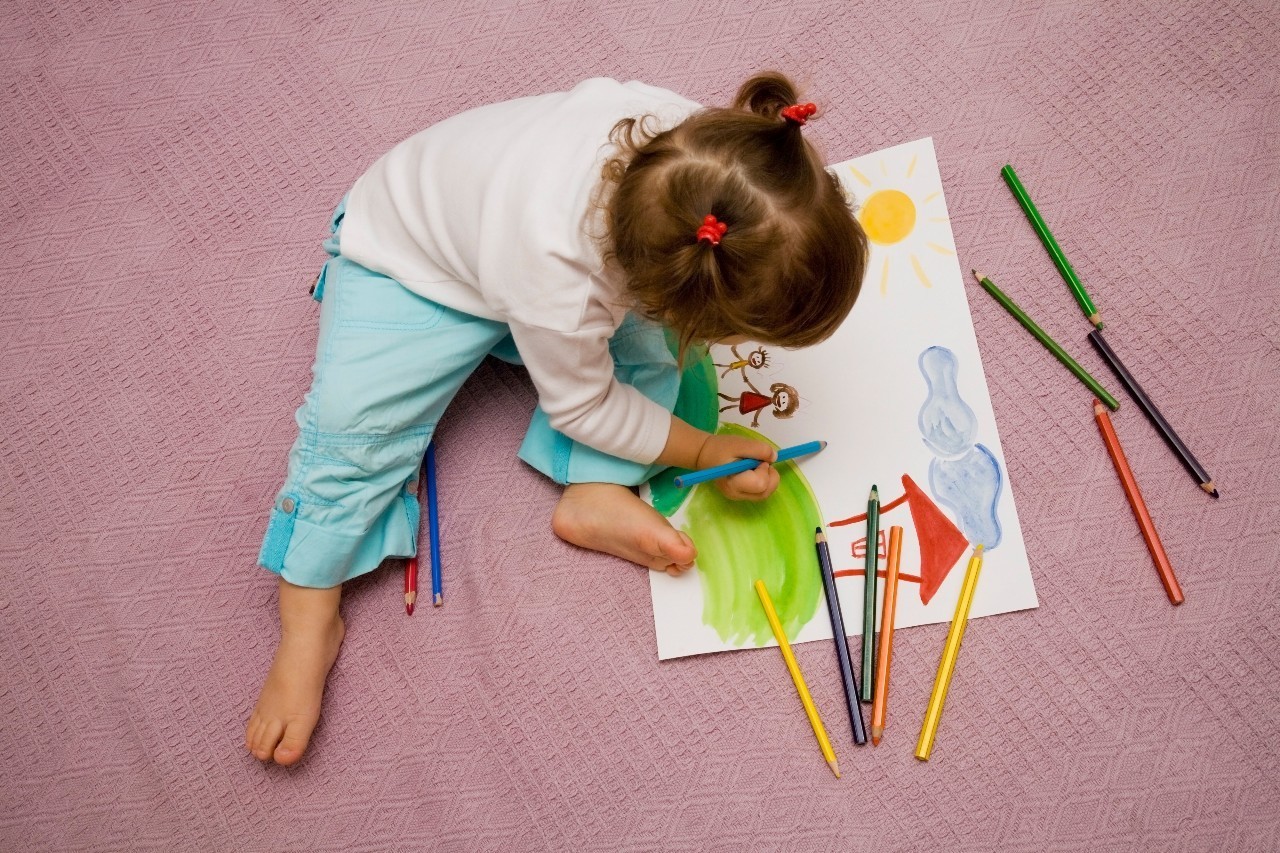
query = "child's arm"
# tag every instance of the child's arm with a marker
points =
(692, 448)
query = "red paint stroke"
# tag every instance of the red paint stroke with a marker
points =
(860, 547)
(941, 542)
(849, 573)
(854, 519)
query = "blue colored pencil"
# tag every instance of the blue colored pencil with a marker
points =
(433, 526)
(693, 478)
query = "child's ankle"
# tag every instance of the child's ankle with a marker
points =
(308, 611)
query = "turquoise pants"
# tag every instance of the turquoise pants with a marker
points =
(388, 361)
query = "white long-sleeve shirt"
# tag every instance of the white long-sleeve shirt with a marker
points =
(491, 212)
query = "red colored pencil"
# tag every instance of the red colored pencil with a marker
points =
(1140, 512)
(410, 584)
(411, 567)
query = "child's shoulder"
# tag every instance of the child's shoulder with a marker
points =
(607, 88)
(590, 101)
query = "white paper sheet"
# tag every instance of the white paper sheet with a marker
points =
(865, 392)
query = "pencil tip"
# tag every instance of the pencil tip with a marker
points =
(877, 732)
(439, 600)
(408, 609)
(835, 768)
(819, 536)
(1210, 488)
(979, 276)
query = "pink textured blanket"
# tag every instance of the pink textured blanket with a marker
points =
(167, 170)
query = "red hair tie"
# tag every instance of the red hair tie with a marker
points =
(711, 230)
(799, 113)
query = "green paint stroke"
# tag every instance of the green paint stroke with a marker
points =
(697, 405)
(740, 542)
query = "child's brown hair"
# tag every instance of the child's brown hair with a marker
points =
(790, 264)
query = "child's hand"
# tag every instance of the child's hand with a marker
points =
(754, 485)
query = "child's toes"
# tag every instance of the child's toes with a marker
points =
(293, 742)
(264, 738)
(676, 548)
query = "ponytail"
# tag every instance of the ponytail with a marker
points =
(729, 224)
(766, 94)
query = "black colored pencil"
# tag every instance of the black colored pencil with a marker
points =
(1144, 402)
(842, 640)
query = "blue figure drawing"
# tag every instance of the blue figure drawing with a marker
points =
(965, 477)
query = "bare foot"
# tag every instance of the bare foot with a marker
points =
(288, 708)
(613, 519)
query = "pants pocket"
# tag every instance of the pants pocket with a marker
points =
(370, 300)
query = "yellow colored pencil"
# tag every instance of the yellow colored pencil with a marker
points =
(950, 651)
(810, 710)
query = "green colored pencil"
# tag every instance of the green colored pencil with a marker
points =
(869, 596)
(1049, 343)
(1051, 245)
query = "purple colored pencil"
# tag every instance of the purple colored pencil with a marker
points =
(1153, 414)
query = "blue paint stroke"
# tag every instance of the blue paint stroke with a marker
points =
(970, 487)
(946, 422)
(966, 477)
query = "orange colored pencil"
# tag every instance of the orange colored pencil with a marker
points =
(885, 653)
(1140, 512)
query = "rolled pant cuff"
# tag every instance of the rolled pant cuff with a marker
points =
(321, 556)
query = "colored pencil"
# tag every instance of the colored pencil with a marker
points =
(705, 475)
(1153, 414)
(1049, 343)
(879, 706)
(1051, 245)
(410, 585)
(810, 710)
(1131, 491)
(433, 527)
(950, 652)
(869, 595)
(411, 567)
(841, 639)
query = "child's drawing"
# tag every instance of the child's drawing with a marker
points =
(940, 542)
(740, 542)
(757, 359)
(965, 476)
(970, 486)
(899, 370)
(782, 397)
(901, 208)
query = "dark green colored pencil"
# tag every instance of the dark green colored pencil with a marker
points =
(869, 596)
(1049, 343)
(1051, 245)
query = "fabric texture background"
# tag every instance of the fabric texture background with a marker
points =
(167, 170)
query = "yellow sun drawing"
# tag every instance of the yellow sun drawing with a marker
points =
(902, 210)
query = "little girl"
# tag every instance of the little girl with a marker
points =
(562, 232)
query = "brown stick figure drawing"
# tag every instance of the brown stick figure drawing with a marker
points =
(784, 399)
(757, 359)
